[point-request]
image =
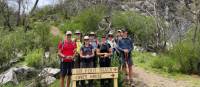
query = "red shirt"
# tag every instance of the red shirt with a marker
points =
(68, 49)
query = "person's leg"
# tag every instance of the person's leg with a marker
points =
(68, 81)
(130, 71)
(124, 64)
(83, 65)
(62, 81)
(91, 65)
(63, 72)
(101, 63)
(107, 82)
(130, 64)
(69, 73)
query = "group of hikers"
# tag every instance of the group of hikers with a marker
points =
(89, 52)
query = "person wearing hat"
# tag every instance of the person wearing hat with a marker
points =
(111, 40)
(86, 58)
(104, 51)
(94, 42)
(79, 44)
(66, 52)
(118, 35)
(125, 46)
(117, 38)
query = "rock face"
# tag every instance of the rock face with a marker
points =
(15, 74)
(8, 76)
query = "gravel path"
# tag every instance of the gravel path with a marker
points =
(143, 78)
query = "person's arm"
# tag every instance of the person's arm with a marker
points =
(60, 50)
(119, 48)
(131, 45)
(60, 54)
(92, 53)
(110, 53)
(81, 54)
(98, 52)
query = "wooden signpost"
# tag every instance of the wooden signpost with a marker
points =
(95, 73)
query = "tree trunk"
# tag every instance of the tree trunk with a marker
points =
(35, 5)
(18, 13)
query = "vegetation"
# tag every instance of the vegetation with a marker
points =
(29, 34)
(35, 58)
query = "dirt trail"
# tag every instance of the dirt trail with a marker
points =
(143, 78)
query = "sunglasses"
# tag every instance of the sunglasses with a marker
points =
(86, 39)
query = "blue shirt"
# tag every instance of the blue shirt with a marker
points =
(125, 43)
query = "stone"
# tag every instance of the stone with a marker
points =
(8, 76)
(49, 72)
(48, 80)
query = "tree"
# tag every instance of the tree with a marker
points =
(5, 11)
(34, 7)
(19, 2)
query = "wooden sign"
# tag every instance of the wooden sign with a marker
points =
(95, 73)
(95, 70)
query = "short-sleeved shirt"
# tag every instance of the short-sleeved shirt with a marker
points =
(78, 44)
(94, 43)
(87, 50)
(104, 48)
(67, 49)
(111, 42)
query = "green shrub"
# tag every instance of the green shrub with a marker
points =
(11, 43)
(186, 56)
(42, 31)
(86, 21)
(141, 27)
(35, 58)
(141, 57)
(167, 64)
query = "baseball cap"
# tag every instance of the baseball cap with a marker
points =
(86, 38)
(92, 33)
(68, 32)
(77, 32)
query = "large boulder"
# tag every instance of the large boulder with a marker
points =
(25, 72)
(50, 72)
(48, 80)
(8, 76)
(48, 76)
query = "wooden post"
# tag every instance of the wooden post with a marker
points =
(74, 83)
(115, 82)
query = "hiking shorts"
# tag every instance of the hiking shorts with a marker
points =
(129, 60)
(86, 63)
(105, 62)
(66, 68)
(77, 61)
